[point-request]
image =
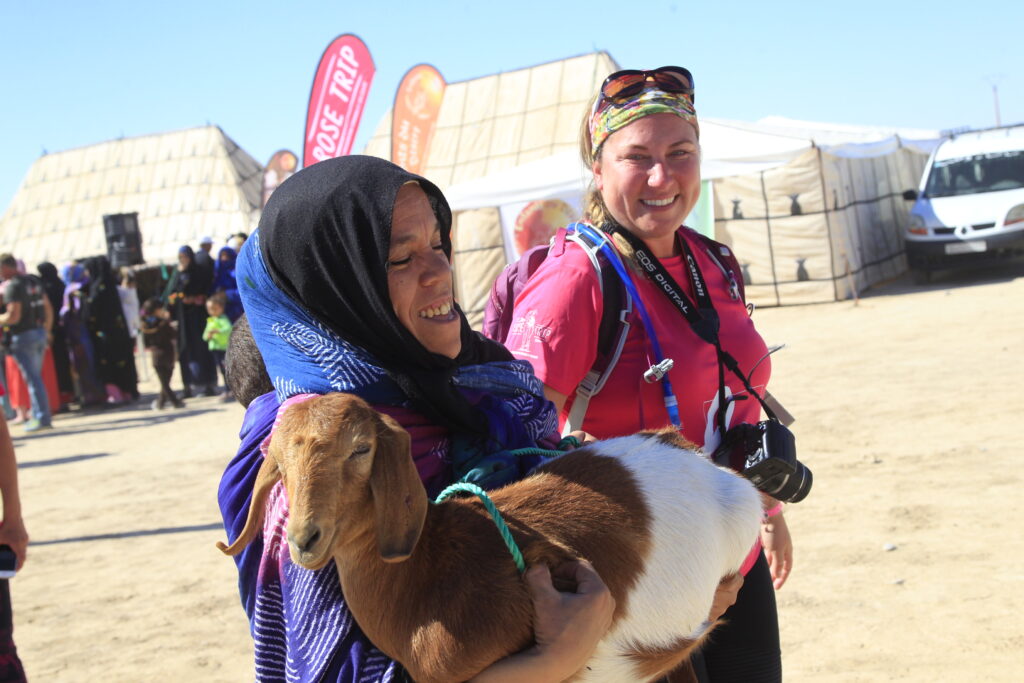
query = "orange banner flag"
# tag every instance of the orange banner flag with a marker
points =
(417, 104)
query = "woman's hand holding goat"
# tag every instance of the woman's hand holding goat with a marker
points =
(725, 595)
(567, 625)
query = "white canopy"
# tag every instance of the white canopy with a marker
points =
(729, 148)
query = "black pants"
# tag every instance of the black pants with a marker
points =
(218, 359)
(745, 647)
(163, 364)
(11, 670)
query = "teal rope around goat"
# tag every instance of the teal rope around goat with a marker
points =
(566, 444)
(506, 535)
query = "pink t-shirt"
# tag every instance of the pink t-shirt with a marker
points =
(556, 327)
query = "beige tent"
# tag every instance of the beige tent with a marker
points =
(826, 223)
(491, 124)
(813, 210)
(183, 185)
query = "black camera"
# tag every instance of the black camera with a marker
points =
(765, 453)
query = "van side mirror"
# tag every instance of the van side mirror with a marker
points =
(910, 195)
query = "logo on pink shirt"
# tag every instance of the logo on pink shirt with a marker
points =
(527, 329)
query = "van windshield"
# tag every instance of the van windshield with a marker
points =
(992, 172)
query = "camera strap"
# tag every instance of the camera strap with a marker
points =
(659, 371)
(700, 315)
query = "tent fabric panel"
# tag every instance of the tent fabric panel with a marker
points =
(748, 240)
(94, 158)
(115, 182)
(539, 127)
(568, 120)
(506, 137)
(800, 250)
(871, 218)
(739, 198)
(509, 96)
(795, 188)
(478, 255)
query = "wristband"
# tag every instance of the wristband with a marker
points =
(772, 512)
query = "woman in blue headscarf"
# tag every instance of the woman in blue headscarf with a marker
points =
(82, 355)
(224, 281)
(347, 286)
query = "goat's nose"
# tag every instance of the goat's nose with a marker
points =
(305, 539)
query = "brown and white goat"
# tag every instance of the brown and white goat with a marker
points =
(661, 525)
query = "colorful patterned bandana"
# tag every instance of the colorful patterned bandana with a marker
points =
(611, 115)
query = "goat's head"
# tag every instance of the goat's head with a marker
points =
(339, 458)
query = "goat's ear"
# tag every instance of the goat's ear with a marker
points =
(268, 475)
(399, 499)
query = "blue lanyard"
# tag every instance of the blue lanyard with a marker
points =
(658, 371)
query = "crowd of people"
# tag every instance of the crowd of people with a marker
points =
(347, 286)
(70, 336)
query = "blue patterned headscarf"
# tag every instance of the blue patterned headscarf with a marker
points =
(301, 354)
(313, 282)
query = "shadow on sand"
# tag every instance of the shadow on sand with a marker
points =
(163, 531)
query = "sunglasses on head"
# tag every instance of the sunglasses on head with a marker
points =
(631, 82)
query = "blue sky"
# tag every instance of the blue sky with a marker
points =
(78, 73)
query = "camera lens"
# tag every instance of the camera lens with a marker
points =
(796, 486)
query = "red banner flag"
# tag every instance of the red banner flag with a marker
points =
(414, 116)
(337, 98)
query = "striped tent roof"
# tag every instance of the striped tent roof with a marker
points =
(183, 185)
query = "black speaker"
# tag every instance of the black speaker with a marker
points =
(124, 242)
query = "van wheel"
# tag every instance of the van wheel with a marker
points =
(920, 276)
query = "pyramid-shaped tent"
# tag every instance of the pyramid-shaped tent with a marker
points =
(183, 185)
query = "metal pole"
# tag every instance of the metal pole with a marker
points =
(995, 99)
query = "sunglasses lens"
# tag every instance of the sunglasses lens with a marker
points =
(624, 85)
(673, 82)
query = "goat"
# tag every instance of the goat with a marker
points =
(661, 524)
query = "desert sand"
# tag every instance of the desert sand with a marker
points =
(909, 552)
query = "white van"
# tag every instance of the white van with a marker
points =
(970, 205)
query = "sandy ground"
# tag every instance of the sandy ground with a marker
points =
(909, 552)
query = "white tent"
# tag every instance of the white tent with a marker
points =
(814, 211)
(183, 185)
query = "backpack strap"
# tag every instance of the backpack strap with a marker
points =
(723, 257)
(617, 305)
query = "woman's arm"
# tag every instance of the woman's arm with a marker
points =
(555, 397)
(778, 548)
(567, 627)
(12, 531)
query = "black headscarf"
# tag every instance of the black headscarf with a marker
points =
(52, 285)
(104, 318)
(189, 282)
(325, 236)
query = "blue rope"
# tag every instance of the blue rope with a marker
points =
(506, 535)
(671, 403)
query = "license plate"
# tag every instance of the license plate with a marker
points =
(972, 247)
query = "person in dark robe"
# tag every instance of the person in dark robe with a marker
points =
(187, 298)
(204, 264)
(79, 341)
(113, 348)
(54, 288)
